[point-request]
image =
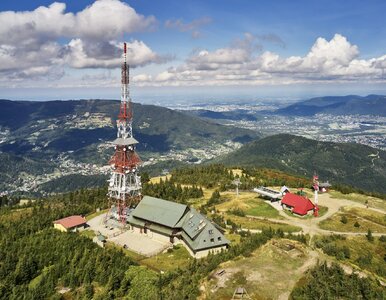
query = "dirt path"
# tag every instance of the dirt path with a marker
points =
(311, 225)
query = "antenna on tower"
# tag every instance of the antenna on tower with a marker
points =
(125, 187)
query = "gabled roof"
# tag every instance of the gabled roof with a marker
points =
(301, 205)
(199, 233)
(159, 211)
(196, 230)
(71, 221)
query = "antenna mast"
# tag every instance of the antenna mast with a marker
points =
(124, 183)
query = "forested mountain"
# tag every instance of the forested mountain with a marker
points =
(353, 164)
(56, 137)
(56, 126)
(344, 105)
(236, 115)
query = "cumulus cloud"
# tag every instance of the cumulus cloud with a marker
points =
(80, 54)
(242, 63)
(104, 19)
(31, 42)
(192, 27)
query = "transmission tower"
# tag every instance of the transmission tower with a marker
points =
(125, 183)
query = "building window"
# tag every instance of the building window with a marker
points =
(210, 231)
(212, 240)
(219, 238)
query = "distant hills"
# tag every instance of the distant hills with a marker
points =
(337, 105)
(73, 125)
(38, 138)
(35, 136)
(333, 105)
(236, 115)
(352, 164)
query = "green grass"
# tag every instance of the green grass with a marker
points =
(372, 201)
(87, 233)
(260, 208)
(367, 214)
(268, 273)
(95, 214)
(322, 210)
(334, 223)
(360, 246)
(35, 282)
(233, 238)
(178, 257)
(252, 223)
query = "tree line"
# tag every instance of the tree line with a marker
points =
(324, 282)
(167, 190)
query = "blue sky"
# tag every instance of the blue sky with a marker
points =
(190, 49)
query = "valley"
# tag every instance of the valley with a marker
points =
(323, 119)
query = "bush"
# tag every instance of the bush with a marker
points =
(369, 236)
(356, 224)
(346, 251)
(237, 212)
(343, 219)
(364, 260)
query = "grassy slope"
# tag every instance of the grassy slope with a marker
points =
(270, 271)
(368, 219)
(342, 163)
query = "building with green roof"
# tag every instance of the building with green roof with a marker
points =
(177, 223)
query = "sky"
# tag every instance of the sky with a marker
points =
(192, 50)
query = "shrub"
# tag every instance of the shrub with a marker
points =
(369, 236)
(365, 260)
(356, 224)
(237, 212)
(343, 219)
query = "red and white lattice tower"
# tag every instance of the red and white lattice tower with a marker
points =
(125, 183)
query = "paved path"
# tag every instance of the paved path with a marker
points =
(136, 242)
(311, 225)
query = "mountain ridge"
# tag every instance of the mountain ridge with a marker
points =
(74, 135)
(337, 105)
(352, 164)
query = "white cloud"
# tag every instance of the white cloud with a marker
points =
(31, 42)
(142, 78)
(336, 59)
(104, 19)
(80, 54)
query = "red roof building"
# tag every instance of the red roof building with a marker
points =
(298, 204)
(69, 223)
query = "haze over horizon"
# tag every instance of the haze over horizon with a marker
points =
(192, 51)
